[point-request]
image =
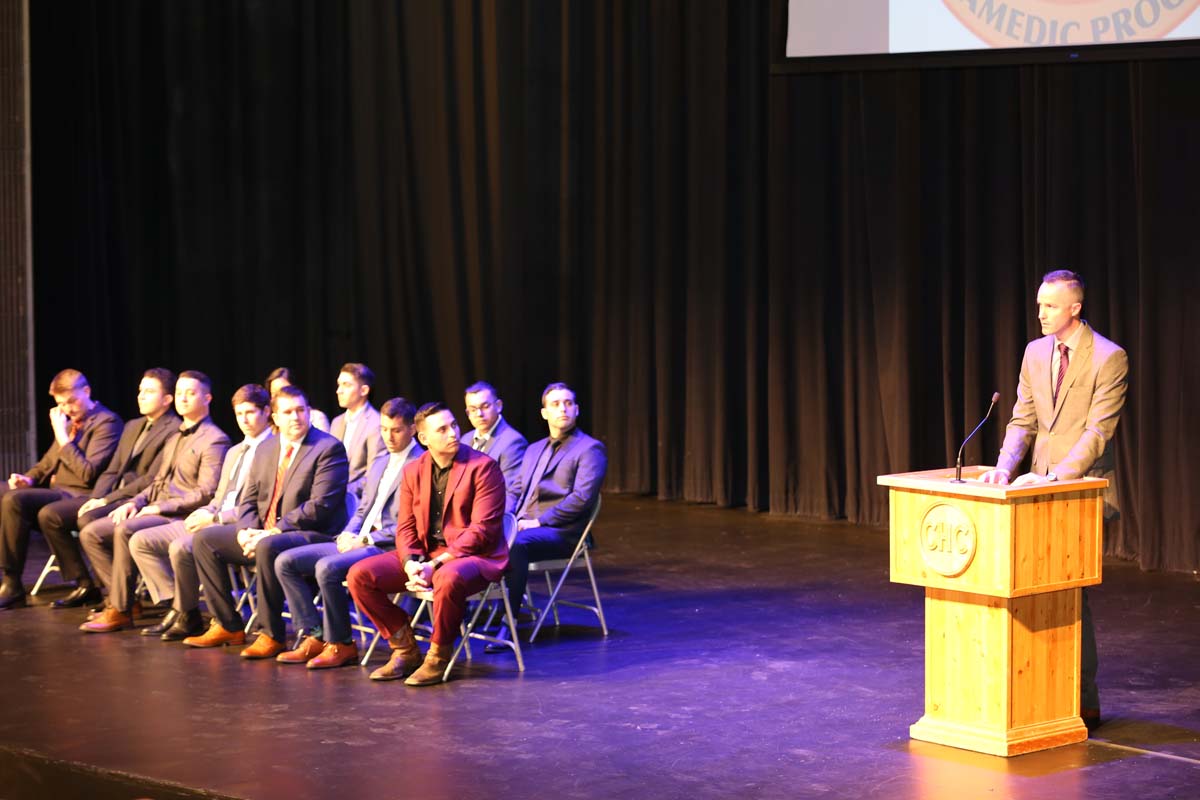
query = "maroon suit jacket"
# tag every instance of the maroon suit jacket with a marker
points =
(472, 515)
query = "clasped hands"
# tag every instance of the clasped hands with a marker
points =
(420, 576)
(249, 538)
(127, 510)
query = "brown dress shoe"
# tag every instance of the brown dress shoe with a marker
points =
(264, 647)
(309, 647)
(335, 655)
(406, 657)
(108, 622)
(216, 636)
(433, 670)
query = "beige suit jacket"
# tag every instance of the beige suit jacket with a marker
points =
(1070, 438)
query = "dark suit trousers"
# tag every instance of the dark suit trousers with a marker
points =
(534, 544)
(18, 513)
(57, 522)
(1089, 661)
(216, 548)
(373, 579)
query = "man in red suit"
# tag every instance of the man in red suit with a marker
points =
(449, 537)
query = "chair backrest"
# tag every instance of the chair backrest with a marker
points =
(584, 543)
(585, 539)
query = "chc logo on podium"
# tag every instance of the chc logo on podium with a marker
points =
(948, 540)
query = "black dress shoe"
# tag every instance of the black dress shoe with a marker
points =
(163, 625)
(11, 600)
(81, 596)
(189, 623)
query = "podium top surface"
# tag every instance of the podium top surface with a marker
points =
(942, 482)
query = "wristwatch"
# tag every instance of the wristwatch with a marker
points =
(1050, 476)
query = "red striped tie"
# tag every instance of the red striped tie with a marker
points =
(1064, 361)
(273, 513)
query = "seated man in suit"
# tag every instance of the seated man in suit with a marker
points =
(358, 425)
(560, 486)
(283, 376)
(371, 531)
(85, 436)
(492, 434)
(163, 554)
(295, 495)
(186, 480)
(131, 469)
(449, 537)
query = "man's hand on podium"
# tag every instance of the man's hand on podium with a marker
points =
(995, 476)
(1030, 479)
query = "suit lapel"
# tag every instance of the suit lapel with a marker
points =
(529, 480)
(562, 451)
(302, 454)
(1082, 356)
(457, 470)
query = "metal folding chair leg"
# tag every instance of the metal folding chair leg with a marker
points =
(51, 566)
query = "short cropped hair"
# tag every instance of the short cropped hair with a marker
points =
(428, 410)
(252, 393)
(1073, 280)
(361, 372)
(481, 386)
(164, 376)
(67, 381)
(199, 377)
(289, 391)
(399, 408)
(552, 387)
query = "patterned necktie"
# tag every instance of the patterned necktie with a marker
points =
(1064, 361)
(273, 512)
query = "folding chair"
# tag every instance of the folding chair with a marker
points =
(547, 567)
(51, 566)
(491, 599)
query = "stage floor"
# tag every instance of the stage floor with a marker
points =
(750, 656)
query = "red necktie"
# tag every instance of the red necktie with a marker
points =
(1064, 361)
(273, 512)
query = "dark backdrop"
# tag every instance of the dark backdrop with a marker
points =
(766, 289)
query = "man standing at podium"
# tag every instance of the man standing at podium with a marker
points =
(1069, 398)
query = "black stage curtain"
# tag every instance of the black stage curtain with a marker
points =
(766, 289)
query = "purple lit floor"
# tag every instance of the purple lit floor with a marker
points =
(750, 656)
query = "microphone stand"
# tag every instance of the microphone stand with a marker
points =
(958, 461)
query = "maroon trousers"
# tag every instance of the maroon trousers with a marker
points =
(373, 579)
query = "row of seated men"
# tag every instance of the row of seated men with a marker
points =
(165, 496)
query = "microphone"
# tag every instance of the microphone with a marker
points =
(958, 462)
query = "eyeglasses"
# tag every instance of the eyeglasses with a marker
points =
(479, 408)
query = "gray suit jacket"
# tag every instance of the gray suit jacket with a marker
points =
(313, 496)
(76, 466)
(386, 535)
(507, 446)
(136, 469)
(188, 472)
(231, 461)
(365, 446)
(1070, 438)
(565, 494)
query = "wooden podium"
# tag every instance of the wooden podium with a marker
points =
(1002, 570)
